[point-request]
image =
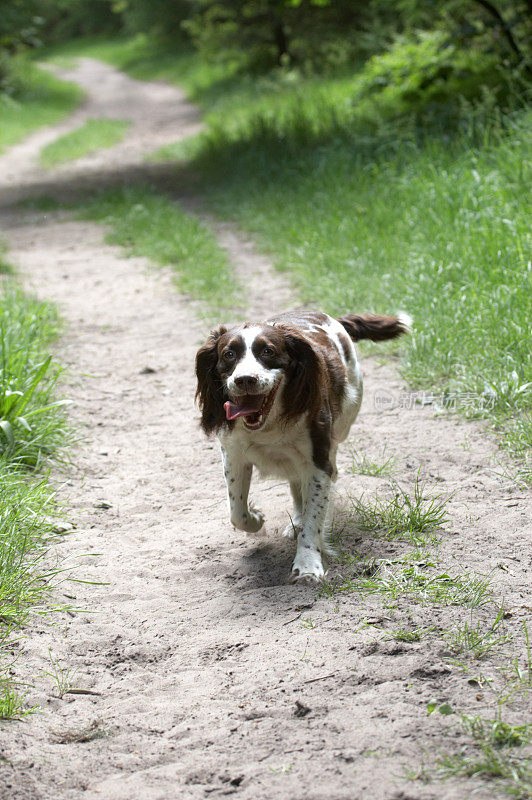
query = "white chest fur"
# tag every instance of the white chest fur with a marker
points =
(281, 452)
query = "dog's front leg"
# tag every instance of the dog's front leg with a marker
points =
(316, 494)
(238, 478)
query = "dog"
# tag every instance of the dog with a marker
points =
(281, 395)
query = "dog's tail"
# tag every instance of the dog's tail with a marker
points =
(375, 327)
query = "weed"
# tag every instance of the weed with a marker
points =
(93, 135)
(403, 634)
(496, 732)
(411, 581)
(11, 702)
(61, 676)
(414, 517)
(362, 464)
(517, 679)
(475, 639)
(444, 708)
(493, 755)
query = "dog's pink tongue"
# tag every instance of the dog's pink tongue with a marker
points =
(249, 406)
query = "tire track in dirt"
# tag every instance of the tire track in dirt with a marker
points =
(194, 643)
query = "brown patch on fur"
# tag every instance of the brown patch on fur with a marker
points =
(320, 436)
(304, 375)
(320, 390)
(372, 326)
(210, 391)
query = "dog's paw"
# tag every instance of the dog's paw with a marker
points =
(307, 567)
(251, 520)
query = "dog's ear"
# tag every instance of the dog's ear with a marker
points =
(303, 390)
(210, 394)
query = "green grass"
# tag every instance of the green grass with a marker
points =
(32, 421)
(148, 224)
(408, 634)
(477, 640)
(40, 99)
(93, 135)
(362, 464)
(33, 431)
(417, 583)
(415, 516)
(12, 702)
(496, 754)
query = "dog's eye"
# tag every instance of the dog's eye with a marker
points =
(228, 355)
(268, 352)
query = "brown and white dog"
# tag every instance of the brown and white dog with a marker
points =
(281, 395)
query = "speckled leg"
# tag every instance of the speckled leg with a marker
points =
(238, 478)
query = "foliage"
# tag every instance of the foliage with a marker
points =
(334, 32)
(312, 34)
(425, 68)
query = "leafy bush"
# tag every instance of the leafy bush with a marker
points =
(426, 68)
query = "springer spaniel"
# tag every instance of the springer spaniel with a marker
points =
(281, 395)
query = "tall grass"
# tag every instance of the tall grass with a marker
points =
(33, 430)
(32, 422)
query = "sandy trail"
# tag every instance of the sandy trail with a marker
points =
(193, 643)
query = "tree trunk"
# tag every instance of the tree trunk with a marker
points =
(280, 38)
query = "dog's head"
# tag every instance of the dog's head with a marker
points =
(256, 375)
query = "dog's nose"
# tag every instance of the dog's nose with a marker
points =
(246, 382)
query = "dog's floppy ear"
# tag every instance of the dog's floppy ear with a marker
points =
(209, 393)
(303, 390)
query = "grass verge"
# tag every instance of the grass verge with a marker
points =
(39, 99)
(33, 430)
(93, 135)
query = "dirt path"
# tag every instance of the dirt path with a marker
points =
(195, 647)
